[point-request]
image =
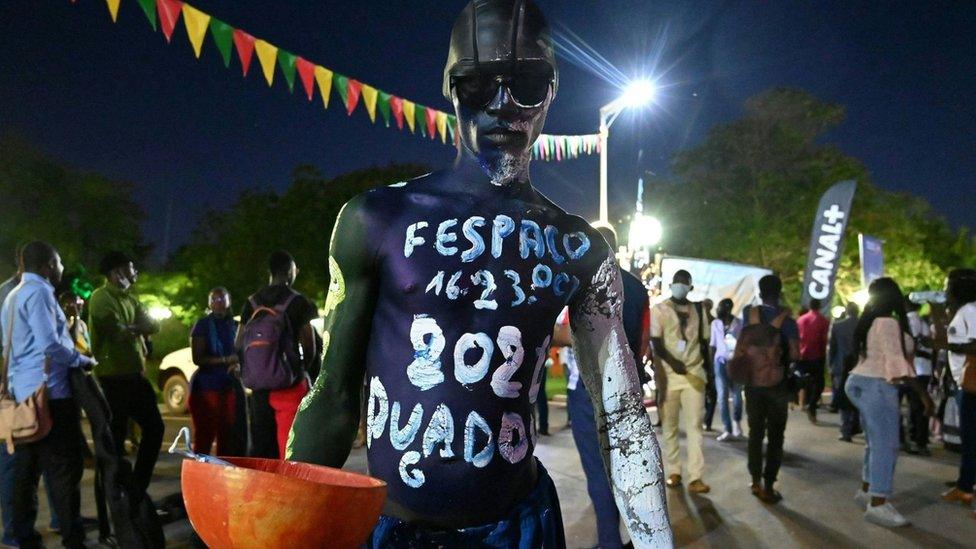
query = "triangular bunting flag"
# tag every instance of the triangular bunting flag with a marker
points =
(409, 109)
(266, 56)
(341, 85)
(431, 119)
(384, 103)
(306, 71)
(169, 12)
(396, 106)
(196, 23)
(245, 48)
(149, 8)
(286, 60)
(452, 127)
(113, 9)
(223, 36)
(354, 89)
(421, 119)
(323, 77)
(442, 125)
(369, 101)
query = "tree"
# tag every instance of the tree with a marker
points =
(749, 191)
(229, 248)
(84, 215)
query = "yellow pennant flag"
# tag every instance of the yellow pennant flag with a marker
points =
(442, 125)
(267, 55)
(113, 9)
(323, 77)
(369, 99)
(196, 26)
(409, 110)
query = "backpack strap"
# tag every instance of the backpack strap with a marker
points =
(753, 316)
(283, 306)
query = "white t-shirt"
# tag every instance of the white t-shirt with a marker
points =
(919, 328)
(724, 340)
(962, 329)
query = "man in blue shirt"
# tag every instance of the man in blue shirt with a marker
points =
(37, 346)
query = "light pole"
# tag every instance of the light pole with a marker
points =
(638, 93)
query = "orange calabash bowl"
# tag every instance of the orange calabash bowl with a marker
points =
(272, 503)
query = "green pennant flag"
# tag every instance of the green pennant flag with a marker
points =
(341, 85)
(223, 36)
(421, 118)
(451, 125)
(149, 6)
(383, 101)
(286, 60)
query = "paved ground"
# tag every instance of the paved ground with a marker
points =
(819, 477)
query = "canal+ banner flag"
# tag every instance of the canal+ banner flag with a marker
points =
(827, 242)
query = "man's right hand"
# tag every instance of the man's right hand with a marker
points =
(677, 366)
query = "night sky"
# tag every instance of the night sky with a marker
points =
(190, 134)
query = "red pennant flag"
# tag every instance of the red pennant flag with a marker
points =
(396, 106)
(245, 48)
(306, 71)
(431, 122)
(169, 12)
(353, 90)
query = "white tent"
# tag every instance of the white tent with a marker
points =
(715, 280)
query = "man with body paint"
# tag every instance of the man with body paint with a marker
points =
(443, 297)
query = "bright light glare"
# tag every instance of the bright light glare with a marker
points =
(639, 92)
(160, 313)
(838, 311)
(861, 297)
(645, 231)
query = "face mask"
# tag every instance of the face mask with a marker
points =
(680, 291)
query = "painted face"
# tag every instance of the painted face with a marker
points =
(500, 117)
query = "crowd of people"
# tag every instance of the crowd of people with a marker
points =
(876, 359)
(57, 350)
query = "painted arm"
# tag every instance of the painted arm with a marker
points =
(630, 448)
(328, 417)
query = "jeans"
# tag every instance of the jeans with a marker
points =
(880, 416)
(597, 483)
(688, 405)
(60, 457)
(724, 387)
(131, 396)
(535, 522)
(768, 409)
(967, 430)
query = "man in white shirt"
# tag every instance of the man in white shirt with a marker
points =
(961, 297)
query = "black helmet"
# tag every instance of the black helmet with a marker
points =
(501, 36)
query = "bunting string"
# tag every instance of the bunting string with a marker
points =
(424, 121)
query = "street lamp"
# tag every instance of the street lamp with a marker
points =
(638, 93)
(645, 232)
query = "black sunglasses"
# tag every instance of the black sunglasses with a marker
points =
(476, 91)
